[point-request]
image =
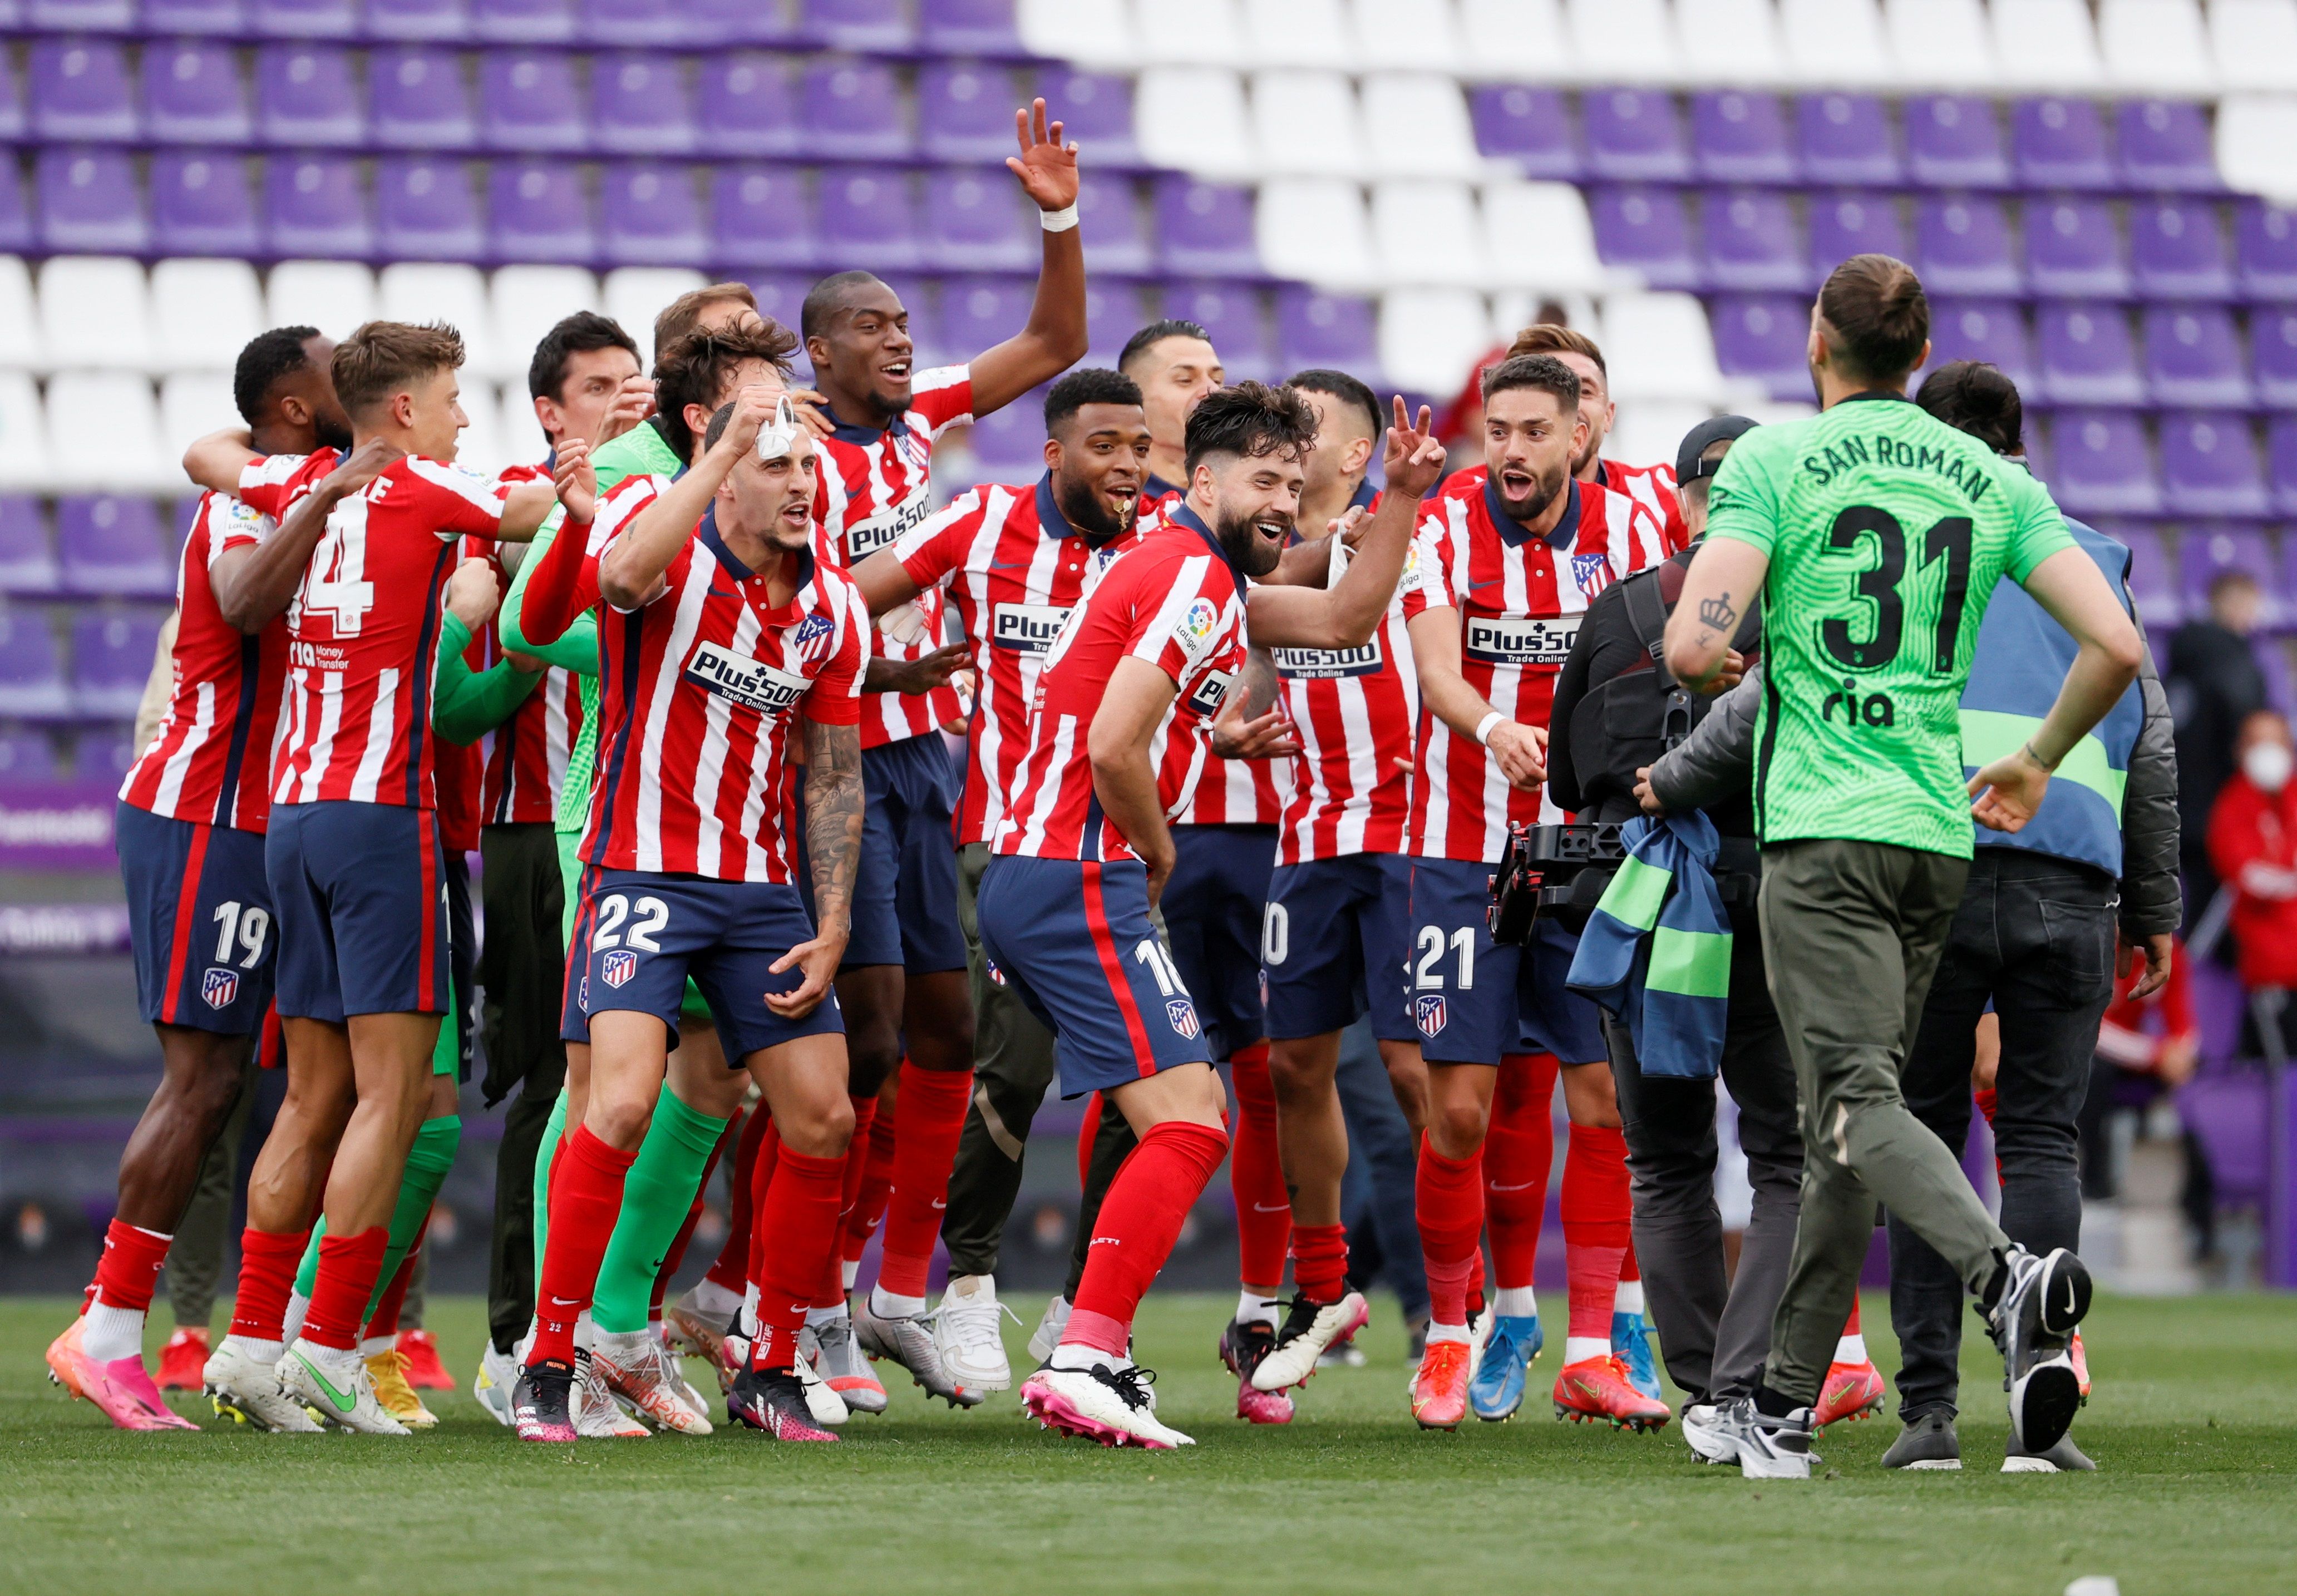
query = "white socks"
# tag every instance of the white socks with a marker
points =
(1850, 1349)
(714, 1300)
(815, 1317)
(375, 1345)
(1446, 1332)
(1578, 1349)
(849, 1271)
(1071, 1354)
(1515, 1302)
(291, 1328)
(109, 1334)
(261, 1351)
(1253, 1308)
(1629, 1298)
(885, 1305)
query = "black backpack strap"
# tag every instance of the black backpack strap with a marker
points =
(1647, 614)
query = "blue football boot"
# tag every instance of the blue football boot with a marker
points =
(1497, 1390)
(1631, 1345)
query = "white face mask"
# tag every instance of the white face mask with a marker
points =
(2267, 766)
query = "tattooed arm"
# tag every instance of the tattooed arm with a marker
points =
(833, 846)
(1725, 576)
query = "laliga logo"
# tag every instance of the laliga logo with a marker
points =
(1429, 1012)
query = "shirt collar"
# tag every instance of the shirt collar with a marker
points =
(1050, 521)
(1881, 395)
(1365, 494)
(1515, 534)
(847, 432)
(731, 562)
(1182, 515)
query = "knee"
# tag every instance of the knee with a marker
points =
(873, 1052)
(1294, 1080)
(820, 1127)
(1457, 1127)
(618, 1119)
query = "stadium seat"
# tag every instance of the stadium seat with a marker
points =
(1008, 446)
(1846, 139)
(203, 311)
(112, 546)
(1762, 340)
(94, 314)
(1305, 124)
(638, 25)
(974, 221)
(748, 106)
(1635, 136)
(640, 106)
(1988, 330)
(2061, 142)
(31, 675)
(427, 210)
(81, 90)
(1645, 231)
(1314, 228)
(634, 295)
(1096, 33)
(1658, 346)
(481, 448)
(203, 203)
(1730, 41)
(1233, 314)
(854, 112)
(192, 405)
(1738, 137)
(2204, 556)
(1538, 235)
(193, 95)
(524, 302)
(88, 200)
(1416, 125)
(1411, 35)
(1297, 33)
(1109, 210)
(2086, 355)
(881, 25)
(2177, 251)
(104, 430)
(303, 18)
(2153, 584)
(1313, 328)
(538, 212)
(2256, 145)
(517, 434)
(2047, 44)
(1427, 233)
(417, 100)
(27, 759)
(1955, 141)
(2103, 465)
(761, 217)
(1834, 42)
(19, 327)
(650, 215)
(2151, 45)
(437, 21)
(309, 95)
(2253, 43)
(2193, 358)
(2073, 249)
(1942, 42)
(442, 290)
(16, 231)
(1752, 241)
(1624, 41)
(28, 559)
(316, 206)
(866, 214)
(1189, 32)
(2265, 250)
(1429, 337)
(2165, 144)
(1095, 110)
(2273, 354)
(334, 296)
(1193, 119)
(12, 121)
(965, 112)
(968, 28)
(1518, 39)
(23, 434)
(2281, 462)
(979, 312)
(527, 101)
(523, 21)
(1113, 313)
(2210, 466)
(112, 659)
(1845, 224)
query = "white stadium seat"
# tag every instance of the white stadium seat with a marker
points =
(1407, 35)
(24, 460)
(422, 290)
(2046, 45)
(1834, 44)
(635, 294)
(1730, 41)
(1416, 125)
(1515, 40)
(192, 405)
(528, 302)
(1942, 44)
(480, 447)
(1648, 431)
(1427, 233)
(1538, 237)
(2156, 46)
(2257, 146)
(1193, 118)
(1314, 228)
(1432, 338)
(1306, 125)
(103, 427)
(334, 296)
(2255, 43)
(94, 314)
(518, 434)
(1658, 346)
(1189, 33)
(20, 324)
(205, 312)
(1624, 41)
(1093, 33)
(1298, 33)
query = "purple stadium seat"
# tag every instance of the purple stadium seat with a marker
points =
(26, 758)
(2103, 466)
(1762, 340)
(113, 546)
(1233, 314)
(308, 94)
(1010, 445)
(537, 211)
(978, 312)
(193, 18)
(1096, 111)
(104, 755)
(88, 202)
(1751, 243)
(859, 24)
(2208, 464)
(28, 560)
(868, 216)
(781, 296)
(524, 21)
(1955, 141)
(1108, 209)
(419, 100)
(1635, 136)
(729, 22)
(1530, 127)
(854, 113)
(202, 203)
(2192, 357)
(1326, 329)
(1645, 230)
(2204, 556)
(1112, 314)
(749, 106)
(316, 206)
(1846, 139)
(2265, 242)
(968, 28)
(2165, 144)
(527, 101)
(974, 223)
(2061, 143)
(650, 216)
(112, 659)
(637, 24)
(638, 106)
(760, 216)
(1205, 228)
(15, 215)
(1738, 138)
(303, 18)
(81, 90)
(415, 21)
(12, 121)
(2281, 459)
(1845, 224)
(78, 16)
(427, 210)
(1963, 247)
(31, 675)
(2152, 584)
(964, 113)
(2086, 355)
(2177, 251)
(2273, 352)
(192, 94)
(2072, 248)
(1988, 330)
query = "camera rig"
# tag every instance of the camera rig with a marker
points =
(1556, 871)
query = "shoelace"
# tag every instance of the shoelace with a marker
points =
(1299, 1319)
(976, 1323)
(1131, 1383)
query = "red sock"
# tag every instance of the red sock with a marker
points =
(347, 1266)
(129, 1271)
(762, 1181)
(1475, 1283)
(1320, 1262)
(797, 1220)
(1450, 1196)
(1851, 1326)
(933, 1104)
(1088, 1132)
(586, 1195)
(876, 1181)
(1519, 1156)
(268, 1262)
(1985, 1101)
(384, 1319)
(1256, 1175)
(831, 1291)
(1630, 1271)
(732, 1269)
(1139, 1219)
(1596, 1227)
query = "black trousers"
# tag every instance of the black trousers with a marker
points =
(521, 973)
(2035, 935)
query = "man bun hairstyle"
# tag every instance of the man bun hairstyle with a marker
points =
(1250, 419)
(1543, 372)
(267, 357)
(1341, 386)
(693, 370)
(1879, 315)
(683, 314)
(1553, 338)
(1088, 385)
(1972, 397)
(1148, 337)
(576, 335)
(384, 357)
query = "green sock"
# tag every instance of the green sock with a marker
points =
(427, 1163)
(657, 1195)
(553, 1130)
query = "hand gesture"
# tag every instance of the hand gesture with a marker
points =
(1349, 528)
(819, 959)
(1046, 166)
(2006, 792)
(934, 670)
(753, 408)
(1522, 751)
(1645, 797)
(633, 403)
(1413, 461)
(577, 479)
(473, 593)
(363, 464)
(2154, 952)
(1266, 736)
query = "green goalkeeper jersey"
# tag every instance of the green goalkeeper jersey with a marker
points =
(1887, 530)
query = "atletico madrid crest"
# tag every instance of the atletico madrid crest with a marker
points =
(219, 987)
(1592, 571)
(617, 967)
(1429, 1013)
(1183, 1015)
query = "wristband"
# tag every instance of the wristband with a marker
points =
(1484, 728)
(1058, 221)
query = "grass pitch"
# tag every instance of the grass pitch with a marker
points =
(2192, 1426)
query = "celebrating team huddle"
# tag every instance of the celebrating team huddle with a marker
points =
(825, 827)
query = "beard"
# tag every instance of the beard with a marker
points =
(1586, 456)
(1247, 550)
(329, 434)
(1088, 511)
(1533, 505)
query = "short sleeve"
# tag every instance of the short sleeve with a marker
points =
(2039, 529)
(1742, 501)
(931, 550)
(1431, 551)
(1184, 629)
(835, 699)
(234, 523)
(269, 485)
(460, 502)
(941, 398)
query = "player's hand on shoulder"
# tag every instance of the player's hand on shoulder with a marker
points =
(1413, 460)
(363, 464)
(473, 593)
(811, 408)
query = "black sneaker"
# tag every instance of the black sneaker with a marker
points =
(1927, 1441)
(542, 1402)
(2042, 1301)
(772, 1400)
(1244, 1343)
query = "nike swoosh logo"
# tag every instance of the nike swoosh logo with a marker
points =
(343, 1403)
(563, 1302)
(1518, 1186)
(939, 1203)
(1272, 1207)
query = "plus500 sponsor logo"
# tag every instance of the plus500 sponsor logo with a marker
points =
(881, 530)
(1207, 699)
(751, 683)
(1026, 627)
(1520, 640)
(1324, 664)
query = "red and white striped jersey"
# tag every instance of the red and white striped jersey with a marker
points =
(1353, 710)
(1519, 598)
(1220, 791)
(210, 758)
(695, 695)
(877, 483)
(1172, 600)
(528, 762)
(1652, 487)
(1014, 567)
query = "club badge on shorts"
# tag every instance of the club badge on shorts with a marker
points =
(219, 987)
(617, 967)
(1429, 1013)
(1183, 1015)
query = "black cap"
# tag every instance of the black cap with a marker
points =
(1705, 435)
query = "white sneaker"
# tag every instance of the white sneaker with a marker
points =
(1768, 1448)
(633, 1367)
(1301, 1340)
(824, 1406)
(597, 1416)
(247, 1391)
(336, 1386)
(1048, 1333)
(1101, 1403)
(676, 1364)
(1707, 1435)
(491, 1386)
(970, 1334)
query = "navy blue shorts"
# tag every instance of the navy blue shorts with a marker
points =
(1474, 1001)
(361, 889)
(638, 936)
(1211, 908)
(1074, 939)
(199, 916)
(905, 891)
(1332, 946)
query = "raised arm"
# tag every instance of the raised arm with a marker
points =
(1725, 577)
(254, 587)
(884, 583)
(1123, 777)
(1054, 339)
(634, 562)
(1444, 693)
